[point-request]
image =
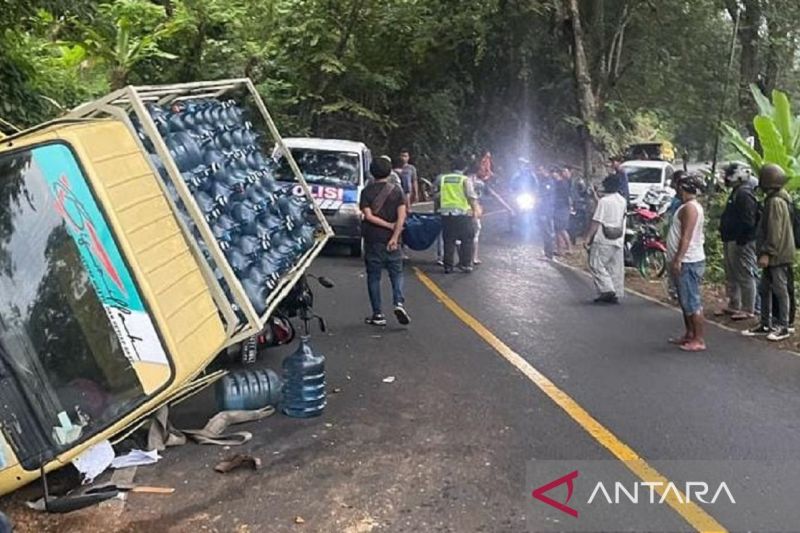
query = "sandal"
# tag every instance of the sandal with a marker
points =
(738, 317)
(679, 341)
(694, 347)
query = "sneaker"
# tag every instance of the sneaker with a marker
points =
(792, 330)
(440, 262)
(448, 270)
(758, 331)
(779, 335)
(376, 320)
(465, 269)
(402, 315)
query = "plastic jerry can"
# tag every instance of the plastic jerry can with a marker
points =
(304, 382)
(247, 390)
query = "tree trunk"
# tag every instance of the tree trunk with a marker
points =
(587, 105)
(118, 77)
(749, 70)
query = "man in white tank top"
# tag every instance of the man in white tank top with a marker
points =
(687, 259)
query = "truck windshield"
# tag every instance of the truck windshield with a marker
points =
(643, 174)
(68, 356)
(323, 167)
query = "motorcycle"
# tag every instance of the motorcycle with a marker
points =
(279, 330)
(523, 218)
(645, 249)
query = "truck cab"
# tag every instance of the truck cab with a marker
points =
(336, 172)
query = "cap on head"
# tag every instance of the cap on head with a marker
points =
(380, 168)
(771, 177)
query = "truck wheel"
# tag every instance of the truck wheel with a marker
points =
(355, 250)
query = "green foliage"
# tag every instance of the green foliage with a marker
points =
(778, 133)
(436, 75)
(126, 33)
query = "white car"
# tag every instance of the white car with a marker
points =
(644, 175)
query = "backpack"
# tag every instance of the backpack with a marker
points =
(794, 212)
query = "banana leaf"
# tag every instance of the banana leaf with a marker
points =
(783, 117)
(740, 144)
(765, 107)
(771, 141)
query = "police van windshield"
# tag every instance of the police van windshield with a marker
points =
(322, 167)
(60, 349)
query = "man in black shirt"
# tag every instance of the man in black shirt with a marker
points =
(738, 234)
(383, 205)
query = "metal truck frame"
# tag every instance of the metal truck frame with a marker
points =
(132, 99)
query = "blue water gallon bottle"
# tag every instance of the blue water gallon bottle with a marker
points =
(304, 382)
(247, 390)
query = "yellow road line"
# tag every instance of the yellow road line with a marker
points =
(689, 511)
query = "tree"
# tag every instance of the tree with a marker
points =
(127, 33)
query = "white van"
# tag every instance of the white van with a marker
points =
(336, 172)
(644, 175)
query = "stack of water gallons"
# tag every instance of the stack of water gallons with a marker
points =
(261, 227)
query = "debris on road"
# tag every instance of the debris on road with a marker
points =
(136, 458)
(140, 489)
(237, 461)
(163, 434)
(299, 520)
(389, 379)
(94, 461)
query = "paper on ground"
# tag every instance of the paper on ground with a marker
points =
(94, 461)
(136, 458)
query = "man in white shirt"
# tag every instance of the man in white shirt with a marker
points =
(606, 240)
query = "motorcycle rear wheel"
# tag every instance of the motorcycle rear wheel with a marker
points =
(653, 264)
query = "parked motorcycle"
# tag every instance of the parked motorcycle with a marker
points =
(645, 249)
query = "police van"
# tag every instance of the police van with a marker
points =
(336, 171)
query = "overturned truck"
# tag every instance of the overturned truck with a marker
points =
(140, 236)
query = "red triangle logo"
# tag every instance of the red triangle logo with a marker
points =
(539, 493)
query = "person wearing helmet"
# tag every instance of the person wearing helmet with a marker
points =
(738, 233)
(687, 259)
(775, 250)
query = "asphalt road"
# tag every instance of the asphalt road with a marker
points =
(474, 421)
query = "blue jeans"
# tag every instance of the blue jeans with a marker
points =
(376, 258)
(688, 285)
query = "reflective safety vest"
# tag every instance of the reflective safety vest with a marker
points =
(451, 193)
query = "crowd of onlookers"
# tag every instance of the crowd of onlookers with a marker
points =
(757, 228)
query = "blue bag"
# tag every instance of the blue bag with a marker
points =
(421, 231)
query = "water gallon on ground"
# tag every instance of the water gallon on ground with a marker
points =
(248, 390)
(304, 382)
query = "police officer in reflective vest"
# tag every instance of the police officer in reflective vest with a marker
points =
(458, 206)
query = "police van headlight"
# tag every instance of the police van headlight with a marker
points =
(526, 201)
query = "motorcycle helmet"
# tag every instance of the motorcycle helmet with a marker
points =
(691, 183)
(771, 177)
(737, 173)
